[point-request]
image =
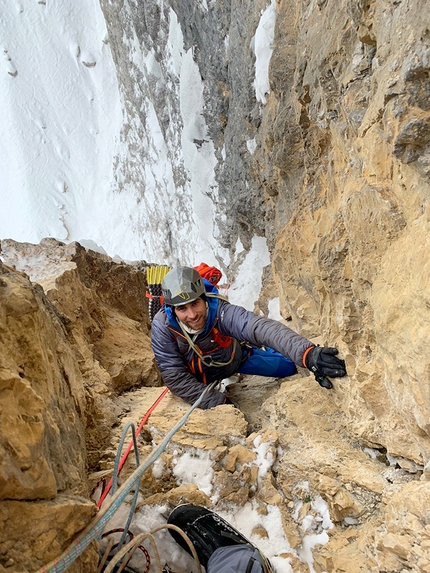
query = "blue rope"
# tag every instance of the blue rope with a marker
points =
(116, 473)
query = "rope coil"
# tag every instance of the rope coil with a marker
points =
(94, 530)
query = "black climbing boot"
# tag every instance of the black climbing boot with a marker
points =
(207, 531)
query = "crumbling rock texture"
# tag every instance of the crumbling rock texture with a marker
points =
(285, 447)
(379, 511)
(351, 220)
(338, 182)
(70, 341)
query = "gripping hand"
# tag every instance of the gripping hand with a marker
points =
(323, 360)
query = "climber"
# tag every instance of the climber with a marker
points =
(219, 546)
(199, 337)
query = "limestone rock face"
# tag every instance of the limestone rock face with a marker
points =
(69, 342)
(43, 416)
(348, 212)
(49, 527)
(336, 178)
(346, 202)
(43, 402)
(288, 452)
(300, 459)
(103, 308)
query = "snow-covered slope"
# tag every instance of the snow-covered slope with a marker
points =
(114, 156)
(60, 119)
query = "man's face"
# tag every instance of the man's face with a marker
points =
(193, 314)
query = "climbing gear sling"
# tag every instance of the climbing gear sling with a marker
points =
(222, 340)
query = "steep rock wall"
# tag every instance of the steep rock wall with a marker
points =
(104, 311)
(338, 181)
(70, 342)
(42, 444)
(348, 136)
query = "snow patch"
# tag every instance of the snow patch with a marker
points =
(262, 44)
(251, 145)
(246, 288)
(195, 467)
(274, 309)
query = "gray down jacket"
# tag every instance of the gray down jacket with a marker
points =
(237, 559)
(175, 358)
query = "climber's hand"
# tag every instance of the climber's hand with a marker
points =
(323, 361)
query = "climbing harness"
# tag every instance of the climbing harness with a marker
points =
(221, 339)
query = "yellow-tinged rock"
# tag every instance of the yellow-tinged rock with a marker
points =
(268, 493)
(424, 565)
(204, 429)
(229, 462)
(241, 454)
(337, 542)
(398, 544)
(347, 504)
(187, 493)
(49, 527)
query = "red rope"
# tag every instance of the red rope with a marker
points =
(130, 445)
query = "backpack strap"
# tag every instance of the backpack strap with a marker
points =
(215, 295)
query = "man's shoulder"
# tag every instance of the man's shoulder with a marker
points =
(160, 322)
(161, 330)
(223, 305)
(160, 317)
(232, 311)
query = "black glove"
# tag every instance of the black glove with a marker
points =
(323, 381)
(323, 361)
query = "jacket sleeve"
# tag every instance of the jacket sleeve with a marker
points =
(175, 372)
(259, 331)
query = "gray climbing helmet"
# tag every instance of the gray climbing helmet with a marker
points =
(182, 285)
